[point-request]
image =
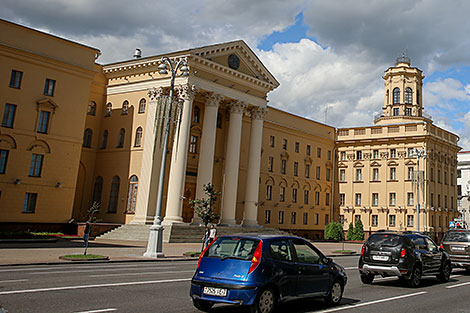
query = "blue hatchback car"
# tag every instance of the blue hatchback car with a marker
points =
(259, 271)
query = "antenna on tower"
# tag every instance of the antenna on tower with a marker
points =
(404, 57)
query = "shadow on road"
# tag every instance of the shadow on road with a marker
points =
(62, 244)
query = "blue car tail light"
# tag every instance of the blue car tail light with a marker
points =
(256, 257)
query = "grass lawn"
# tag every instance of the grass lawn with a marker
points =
(84, 257)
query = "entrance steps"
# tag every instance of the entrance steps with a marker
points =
(180, 233)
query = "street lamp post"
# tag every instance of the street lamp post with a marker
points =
(155, 243)
(418, 154)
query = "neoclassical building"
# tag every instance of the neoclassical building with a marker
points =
(463, 186)
(378, 172)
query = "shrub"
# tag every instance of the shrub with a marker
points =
(358, 233)
(334, 231)
(351, 231)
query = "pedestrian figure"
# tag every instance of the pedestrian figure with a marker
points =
(205, 238)
(86, 233)
(212, 234)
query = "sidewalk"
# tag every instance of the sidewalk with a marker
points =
(117, 250)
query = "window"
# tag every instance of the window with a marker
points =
(410, 198)
(267, 216)
(410, 220)
(327, 199)
(341, 219)
(342, 155)
(283, 166)
(393, 198)
(396, 96)
(296, 169)
(410, 173)
(122, 134)
(438, 200)
(452, 179)
(391, 220)
(29, 204)
(104, 140)
(445, 201)
(316, 218)
(282, 194)
(408, 111)
(281, 217)
(317, 198)
(318, 152)
(327, 219)
(396, 112)
(305, 219)
(293, 218)
(196, 115)
(125, 108)
(15, 79)
(305, 254)
(49, 87)
(358, 155)
(132, 194)
(307, 170)
(393, 173)
(270, 164)
(376, 154)
(342, 198)
(328, 171)
(342, 175)
(193, 144)
(142, 104)
(269, 192)
(417, 96)
(305, 196)
(43, 124)
(432, 200)
(284, 144)
(439, 176)
(357, 218)
(219, 120)
(452, 202)
(297, 147)
(358, 174)
(459, 173)
(408, 95)
(432, 174)
(308, 150)
(271, 141)
(138, 137)
(109, 109)
(375, 199)
(98, 189)
(8, 115)
(358, 199)
(294, 195)
(445, 178)
(114, 195)
(35, 167)
(3, 161)
(318, 172)
(375, 220)
(329, 155)
(375, 174)
(92, 108)
(411, 152)
(393, 153)
(87, 138)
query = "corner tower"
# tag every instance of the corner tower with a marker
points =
(403, 94)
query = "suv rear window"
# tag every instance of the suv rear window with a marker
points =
(385, 240)
(457, 236)
(233, 248)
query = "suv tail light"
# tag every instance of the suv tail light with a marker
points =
(363, 249)
(403, 253)
(441, 246)
(256, 257)
(203, 252)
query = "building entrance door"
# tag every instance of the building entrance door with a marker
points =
(189, 193)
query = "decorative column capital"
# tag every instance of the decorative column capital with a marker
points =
(213, 99)
(237, 106)
(155, 93)
(258, 113)
(187, 91)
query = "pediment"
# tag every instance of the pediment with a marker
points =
(392, 163)
(47, 104)
(375, 164)
(358, 164)
(342, 165)
(410, 162)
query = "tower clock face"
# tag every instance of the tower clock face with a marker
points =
(233, 61)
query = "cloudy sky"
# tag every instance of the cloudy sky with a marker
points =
(328, 55)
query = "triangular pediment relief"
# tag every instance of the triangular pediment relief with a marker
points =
(329, 164)
(342, 165)
(308, 160)
(47, 104)
(375, 164)
(284, 155)
(392, 163)
(410, 162)
(358, 164)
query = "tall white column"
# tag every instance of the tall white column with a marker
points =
(232, 160)
(150, 167)
(206, 155)
(179, 158)
(250, 217)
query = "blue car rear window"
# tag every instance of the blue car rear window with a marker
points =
(233, 247)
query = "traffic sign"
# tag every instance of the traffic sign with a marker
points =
(451, 224)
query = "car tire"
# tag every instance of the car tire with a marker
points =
(367, 278)
(415, 277)
(335, 293)
(203, 305)
(444, 274)
(265, 302)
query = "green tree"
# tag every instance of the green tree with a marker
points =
(351, 231)
(358, 233)
(334, 231)
(204, 208)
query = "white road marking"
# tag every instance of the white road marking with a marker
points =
(351, 268)
(143, 273)
(12, 280)
(386, 278)
(93, 270)
(94, 286)
(454, 276)
(458, 285)
(72, 267)
(98, 311)
(353, 306)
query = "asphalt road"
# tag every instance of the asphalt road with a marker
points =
(164, 287)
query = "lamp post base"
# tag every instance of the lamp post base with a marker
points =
(155, 243)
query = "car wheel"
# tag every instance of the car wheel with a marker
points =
(203, 305)
(444, 275)
(265, 302)
(336, 293)
(415, 278)
(367, 278)
(468, 269)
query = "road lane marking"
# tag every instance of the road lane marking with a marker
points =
(98, 311)
(12, 280)
(458, 285)
(353, 306)
(147, 282)
(143, 273)
(386, 278)
(74, 267)
(351, 268)
(454, 276)
(93, 270)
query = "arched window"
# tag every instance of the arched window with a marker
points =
(408, 95)
(196, 114)
(132, 194)
(122, 133)
(104, 141)
(417, 96)
(138, 137)
(109, 108)
(142, 104)
(125, 107)
(387, 96)
(92, 108)
(87, 138)
(396, 95)
(114, 195)
(98, 189)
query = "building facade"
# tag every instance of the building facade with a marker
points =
(463, 186)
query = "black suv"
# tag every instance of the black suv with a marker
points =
(406, 255)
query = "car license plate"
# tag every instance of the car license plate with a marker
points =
(212, 291)
(380, 257)
(456, 248)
